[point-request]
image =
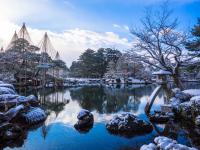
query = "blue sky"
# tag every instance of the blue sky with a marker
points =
(95, 19)
(100, 15)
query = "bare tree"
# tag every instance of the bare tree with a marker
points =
(159, 42)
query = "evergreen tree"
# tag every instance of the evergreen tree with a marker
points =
(194, 44)
(194, 48)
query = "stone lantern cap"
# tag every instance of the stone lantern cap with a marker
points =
(162, 72)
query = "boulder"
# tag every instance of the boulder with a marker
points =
(5, 90)
(8, 97)
(196, 104)
(7, 85)
(178, 94)
(185, 110)
(128, 124)
(164, 143)
(192, 92)
(11, 113)
(33, 115)
(160, 117)
(10, 131)
(150, 146)
(85, 120)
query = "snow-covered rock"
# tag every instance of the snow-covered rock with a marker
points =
(7, 85)
(128, 124)
(8, 97)
(178, 94)
(192, 92)
(5, 90)
(174, 102)
(160, 117)
(83, 113)
(185, 110)
(164, 143)
(85, 120)
(150, 146)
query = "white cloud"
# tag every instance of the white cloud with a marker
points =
(116, 26)
(121, 27)
(70, 43)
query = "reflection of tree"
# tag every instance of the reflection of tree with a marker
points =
(106, 100)
(52, 100)
(182, 131)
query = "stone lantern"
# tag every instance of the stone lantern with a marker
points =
(162, 76)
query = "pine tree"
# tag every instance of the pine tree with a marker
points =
(194, 44)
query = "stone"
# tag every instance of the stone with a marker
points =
(11, 113)
(150, 146)
(192, 92)
(185, 110)
(164, 143)
(10, 86)
(128, 124)
(85, 120)
(160, 117)
(34, 115)
(10, 131)
(5, 90)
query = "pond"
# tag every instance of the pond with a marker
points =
(63, 105)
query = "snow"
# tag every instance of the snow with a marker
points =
(192, 92)
(162, 72)
(83, 113)
(133, 80)
(151, 146)
(195, 100)
(5, 90)
(165, 143)
(7, 86)
(7, 97)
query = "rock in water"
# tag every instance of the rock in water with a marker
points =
(8, 97)
(85, 120)
(29, 99)
(34, 115)
(164, 143)
(5, 90)
(11, 113)
(10, 131)
(160, 117)
(128, 124)
(10, 86)
(151, 146)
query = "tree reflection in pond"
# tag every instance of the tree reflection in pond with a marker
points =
(109, 100)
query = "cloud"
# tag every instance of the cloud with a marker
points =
(70, 43)
(121, 27)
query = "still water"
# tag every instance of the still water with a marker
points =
(58, 132)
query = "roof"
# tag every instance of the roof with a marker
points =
(162, 72)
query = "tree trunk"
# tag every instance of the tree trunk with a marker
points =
(177, 81)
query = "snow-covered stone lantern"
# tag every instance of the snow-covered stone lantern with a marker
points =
(162, 76)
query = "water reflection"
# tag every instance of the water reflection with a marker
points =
(63, 106)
